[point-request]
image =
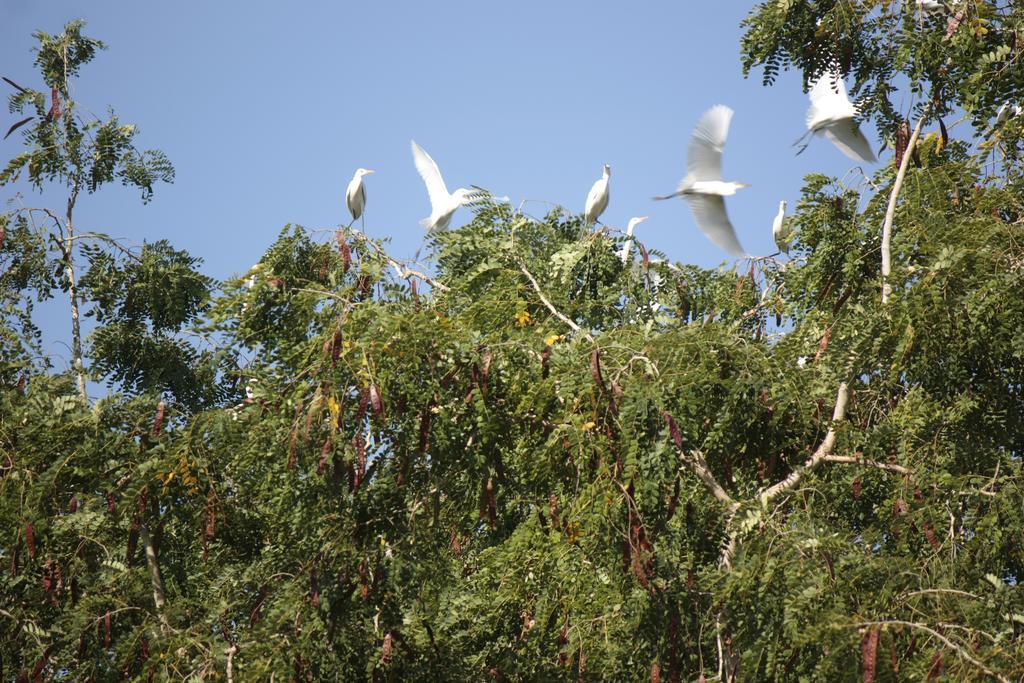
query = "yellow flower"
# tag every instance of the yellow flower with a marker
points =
(334, 407)
(587, 426)
(553, 339)
(523, 318)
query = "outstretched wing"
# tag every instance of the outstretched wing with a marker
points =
(431, 175)
(706, 144)
(709, 212)
(829, 100)
(847, 136)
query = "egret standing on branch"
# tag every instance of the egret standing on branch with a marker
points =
(832, 114)
(442, 204)
(633, 222)
(355, 195)
(780, 235)
(597, 200)
(703, 187)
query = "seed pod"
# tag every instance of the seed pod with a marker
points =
(917, 495)
(314, 589)
(346, 253)
(364, 402)
(425, 419)
(902, 138)
(30, 540)
(545, 356)
(900, 508)
(385, 651)
(595, 368)
(111, 506)
(553, 506)
(37, 671)
(929, 534)
(73, 505)
(364, 585)
(336, 346)
(869, 653)
(325, 453)
(673, 430)
(133, 539)
(935, 670)
(375, 402)
(158, 423)
(144, 646)
(856, 488)
(655, 672)
(54, 104)
(485, 370)
(3, 235)
(106, 629)
(74, 591)
(823, 344)
(21, 382)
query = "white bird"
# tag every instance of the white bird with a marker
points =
(633, 222)
(832, 114)
(929, 6)
(442, 204)
(703, 187)
(597, 199)
(355, 195)
(1007, 112)
(781, 238)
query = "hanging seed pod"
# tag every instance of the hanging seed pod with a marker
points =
(54, 112)
(655, 672)
(869, 654)
(3, 235)
(158, 422)
(902, 138)
(364, 403)
(917, 495)
(325, 453)
(106, 629)
(944, 133)
(929, 534)
(37, 671)
(336, 346)
(900, 508)
(485, 370)
(385, 650)
(293, 449)
(144, 648)
(545, 356)
(133, 539)
(856, 488)
(823, 344)
(935, 670)
(375, 402)
(346, 253)
(314, 589)
(673, 430)
(425, 418)
(74, 591)
(553, 507)
(30, 540)
(595, 368)
(257, 610)
(364, 585)
(73, 505)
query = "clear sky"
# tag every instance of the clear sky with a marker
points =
(267, 108)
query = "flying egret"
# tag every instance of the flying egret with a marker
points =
(355, 195)
(703, 187)
(597, 200)
(633, 222)
(442, 204)
(780, 235)
(832, 114)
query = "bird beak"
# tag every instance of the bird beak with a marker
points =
(742, 185)
(368, 171)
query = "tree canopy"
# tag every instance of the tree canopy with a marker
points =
(537, 461)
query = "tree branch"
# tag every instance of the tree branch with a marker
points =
(403, 271)
(890, 212)
(946, 641)
(558, 314)
(695, 462)
(819, 456)
(853, 460)
(159, 595)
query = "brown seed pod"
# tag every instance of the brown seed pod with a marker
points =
(425, 418)
(869, 654)
(314, 589)
(823, 344)
(73, 505)
(359, 445)
(655, 672)
(133, 539)
(106, 629)
(3, 235)
(325, 453)
(158, 422)
(595, 368)
(673, 430)
(902, 138)
(856, 488)
(929, 534)
(30, 540)
(900, 508)
(375, 401)
(545, 356)
(385, 650)
(336, 346)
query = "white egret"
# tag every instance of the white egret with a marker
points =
(355, 195)
(1006, 112)
(597, 199)
(929, 6)
(703, 187)
(442, 204)
(780, 235)
(832, 114)
(633, 222)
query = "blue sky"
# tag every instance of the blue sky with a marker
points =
(267, 108)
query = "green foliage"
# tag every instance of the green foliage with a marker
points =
(507, 470)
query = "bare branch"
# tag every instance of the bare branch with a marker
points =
(558, 314)
(853, 460)
(403, 271)
(695, 462)
(819, 456)
(890, 212)
(946, 641)
(159, 595)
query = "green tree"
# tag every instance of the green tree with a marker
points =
(539, 463)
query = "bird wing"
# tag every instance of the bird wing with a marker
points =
(709, 212)
(704, 154)
(829, 100)
(847, 136)
(431, 175)
(597, 199)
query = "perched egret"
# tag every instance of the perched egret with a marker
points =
(832, 114)
(597, 200)
(633, 222)
(781, 235)
(1006, 112)
(703, 187)
(442, 204)
(355, 195)
(929, 6)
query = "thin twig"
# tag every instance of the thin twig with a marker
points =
(890, 212)
(819, 455)
(949, 643)
(558, 314)
(403, 271)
